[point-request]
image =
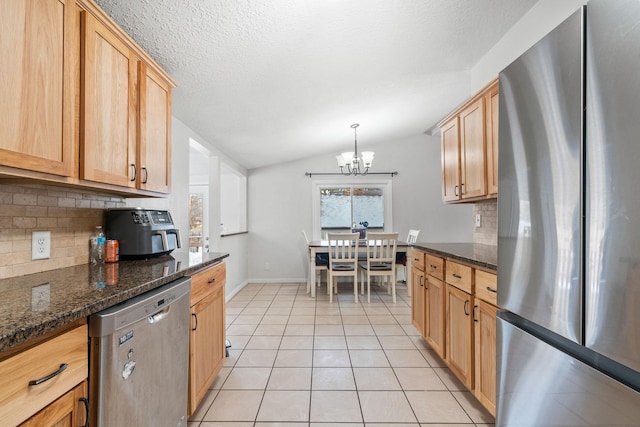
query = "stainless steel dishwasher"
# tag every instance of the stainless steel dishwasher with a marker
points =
(139, 360)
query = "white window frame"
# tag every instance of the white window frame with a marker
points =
(317, 184)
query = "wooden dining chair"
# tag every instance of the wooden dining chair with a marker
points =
(401, 257)
(322, 264)
(343, 260)
(381, 261)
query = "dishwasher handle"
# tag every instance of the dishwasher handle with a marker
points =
(155, 318)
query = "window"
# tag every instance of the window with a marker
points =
(337, 207)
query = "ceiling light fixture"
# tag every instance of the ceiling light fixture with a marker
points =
(355, 165)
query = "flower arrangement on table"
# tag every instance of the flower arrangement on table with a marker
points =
(362, 229)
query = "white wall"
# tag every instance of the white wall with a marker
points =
(543, 17)
(178, 204)
(280, 205)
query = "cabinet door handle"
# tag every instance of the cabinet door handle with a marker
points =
(146, 175)
(421, 281)
(455, 191)
(212, 280)
(195, 316)
(466, 313)
(86, 410)
(474, 313)
(62, 367)
(492, 290)
(135, 172)
(456, 276)
(461, 189)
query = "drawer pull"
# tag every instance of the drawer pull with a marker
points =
(433, 266)
(48, 377)
(456, 276)
(416, 259)
(492, 290)
(86, 410)
(212, 280)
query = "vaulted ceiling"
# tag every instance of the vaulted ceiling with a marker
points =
(268, 81)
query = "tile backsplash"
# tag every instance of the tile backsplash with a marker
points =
(69, 214)
(487, 233)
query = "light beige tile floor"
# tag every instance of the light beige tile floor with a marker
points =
(302, 362)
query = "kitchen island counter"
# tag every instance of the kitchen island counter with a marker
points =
(37, 304)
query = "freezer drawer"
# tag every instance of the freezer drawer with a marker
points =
(539, 385)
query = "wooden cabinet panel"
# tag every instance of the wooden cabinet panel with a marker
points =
(486, 287)
(450, 160)
(109, 106)
(459, 334)
(472, 151)
(470, 148)
(207, 341)
(67, 411)
(434, 266)
(485, 355)
(459, 276)
(207, 345)
(491, 126)
(155, 132)
(37, 76)
(435, 315)
(418, 300)
(417, 259)
(18, 399)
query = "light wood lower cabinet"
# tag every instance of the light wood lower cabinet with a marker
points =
(68, 410)
(434, 332)
(38, 380)
(207, 340)
(459, 336)
(418, 300)
(485, 354)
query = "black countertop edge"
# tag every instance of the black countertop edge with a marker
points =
(484, 256)
(71, 293)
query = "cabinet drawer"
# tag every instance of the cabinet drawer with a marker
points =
(459, 276)
(205, 281)
(434, 266)
(18, 399)
(487, 287)
(417, 259)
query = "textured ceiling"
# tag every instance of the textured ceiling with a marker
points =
(268, 81)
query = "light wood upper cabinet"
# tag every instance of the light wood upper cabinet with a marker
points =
(473, 181)
(491, 126)
(155, 131)
(108, 152)
(450, 160)
(470, 148)
(38, 70)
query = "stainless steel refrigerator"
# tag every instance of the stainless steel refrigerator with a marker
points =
(569, 224)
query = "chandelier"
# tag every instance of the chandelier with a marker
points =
(350, 163)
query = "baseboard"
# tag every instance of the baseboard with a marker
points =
(288, 280)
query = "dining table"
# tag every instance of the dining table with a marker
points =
(322, 246)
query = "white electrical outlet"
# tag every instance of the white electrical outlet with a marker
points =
(478, 220)
(267, 266)
(40, 245)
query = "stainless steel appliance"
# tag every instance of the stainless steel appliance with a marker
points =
(142, 232)
(139, 360)
(569, 224)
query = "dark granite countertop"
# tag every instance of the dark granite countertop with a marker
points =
(481, 255)
(35, 304)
